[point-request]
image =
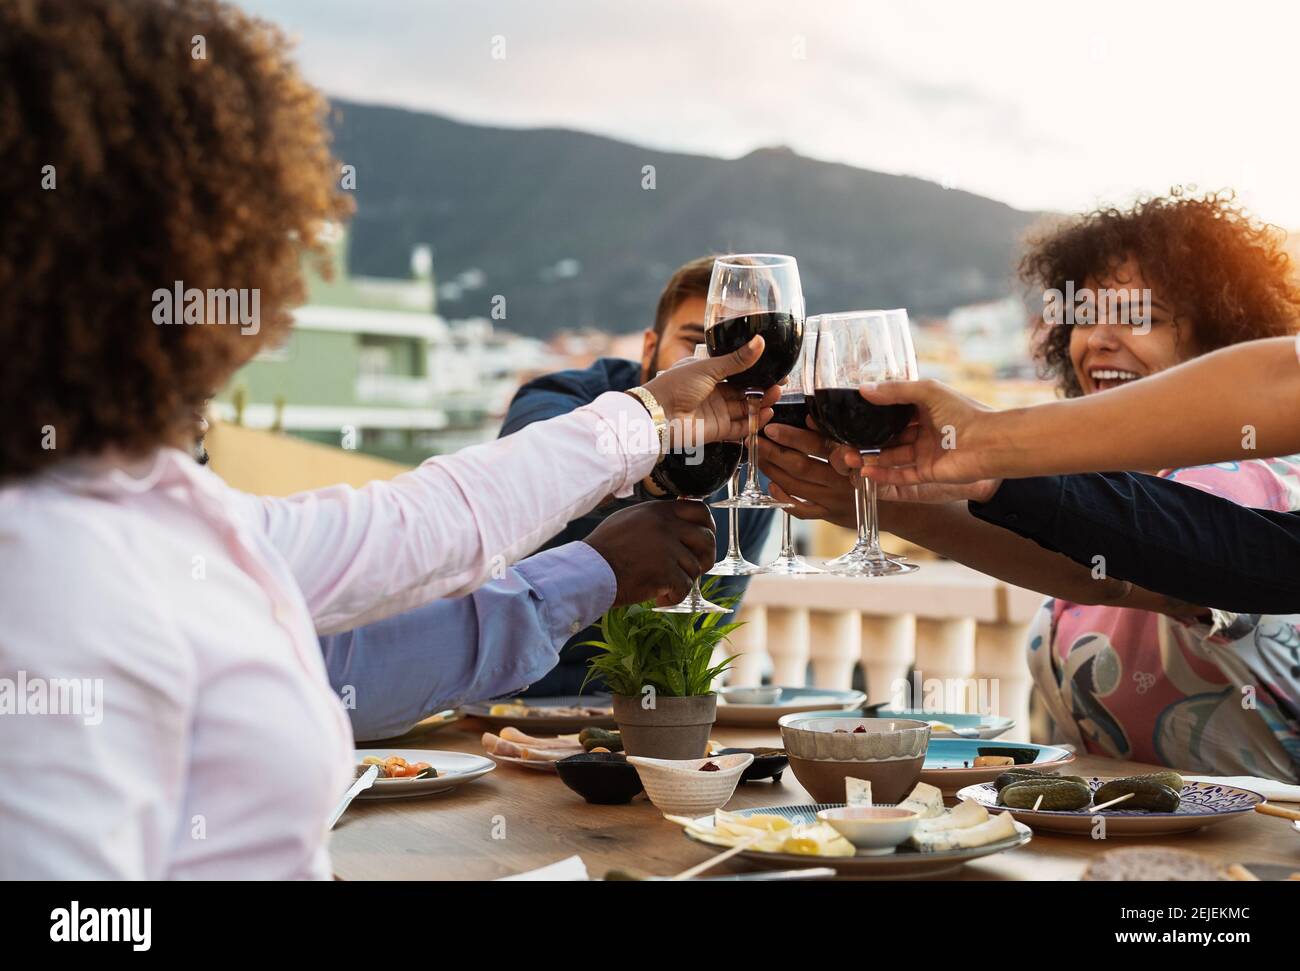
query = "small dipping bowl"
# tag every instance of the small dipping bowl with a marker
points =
(874, 830)
(753, 695)
(602, 778)
(677, 787)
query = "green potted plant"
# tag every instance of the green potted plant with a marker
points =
(658, 666)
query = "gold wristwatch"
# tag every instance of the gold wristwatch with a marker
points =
(657, 416)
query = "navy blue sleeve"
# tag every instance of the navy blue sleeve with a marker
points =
(538, 401)
(1161, 535)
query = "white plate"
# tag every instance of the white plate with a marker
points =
(537, 765)
(454, 769)
(790, 702)
(904, 863)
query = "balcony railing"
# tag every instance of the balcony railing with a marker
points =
(945, 621)
(395, 389)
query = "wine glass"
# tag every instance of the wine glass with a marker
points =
(792, 409)
(901, 333)
(750, 295)
(691, 470)
(853, 348)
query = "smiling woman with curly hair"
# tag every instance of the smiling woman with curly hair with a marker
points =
(1217, 276)
(162, 692)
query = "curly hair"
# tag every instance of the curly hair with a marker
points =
(145, 142)
(1221, 271)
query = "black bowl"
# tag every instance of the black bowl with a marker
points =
(603, 778)
(768, 763)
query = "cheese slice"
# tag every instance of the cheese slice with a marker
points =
(965, 814)
(925, 800)
(857, 792)
(994, 829)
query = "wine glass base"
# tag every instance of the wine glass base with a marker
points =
(790, 566)
(693, 605)
(734, 567)
(755, 501)
(856, 565)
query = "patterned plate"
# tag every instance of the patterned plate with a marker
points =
(904, 863)
(543, 723)
(1202, 804)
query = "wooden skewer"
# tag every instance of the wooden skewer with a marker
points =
(713, 861)
(1038, 802)
(1107, 805)
(1270, 810)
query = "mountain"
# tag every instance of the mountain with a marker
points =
(558, 222)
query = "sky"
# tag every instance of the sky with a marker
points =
(1043, 105)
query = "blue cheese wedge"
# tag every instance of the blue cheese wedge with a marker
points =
(992, 830)
(857, 792)
(925, 800)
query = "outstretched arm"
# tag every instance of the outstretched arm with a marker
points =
(1241, 401)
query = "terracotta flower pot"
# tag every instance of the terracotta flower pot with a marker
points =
(675, 728)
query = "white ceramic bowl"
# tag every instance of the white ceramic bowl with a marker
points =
(844, 739)
(874, 830)
(677, 787)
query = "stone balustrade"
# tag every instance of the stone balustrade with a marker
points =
(962, 632)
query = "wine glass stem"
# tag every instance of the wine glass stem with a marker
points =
(733, 518)
(860, 510)
(787, 544)
(868, 522)
(752, 398)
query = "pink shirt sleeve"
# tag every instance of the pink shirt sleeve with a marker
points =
(443, 529)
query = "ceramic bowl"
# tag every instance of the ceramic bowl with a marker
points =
(874, 830)
(603, 778)
(768, 763)
(825, 750)
(677, 787)
(754, 695)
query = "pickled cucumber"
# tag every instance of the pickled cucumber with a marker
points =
(1057, 794)
(593, 738)
(1148, 794)
(1166, 777)
(1029, 775)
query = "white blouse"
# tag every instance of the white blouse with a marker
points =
(164, 708)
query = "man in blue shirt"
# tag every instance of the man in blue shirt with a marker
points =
(678, 327)
(508, 632)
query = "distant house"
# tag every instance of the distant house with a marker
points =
(370, 366)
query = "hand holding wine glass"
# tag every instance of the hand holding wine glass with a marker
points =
(853, 349)
(756, 294)
(696, 392)
(950, 441)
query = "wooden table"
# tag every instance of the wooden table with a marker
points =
(517, 819)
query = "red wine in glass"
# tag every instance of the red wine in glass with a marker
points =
(782, 335)
(849, 418)
(700, 473)
(791, 409)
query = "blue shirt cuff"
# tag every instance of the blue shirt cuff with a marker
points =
(575, 585)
